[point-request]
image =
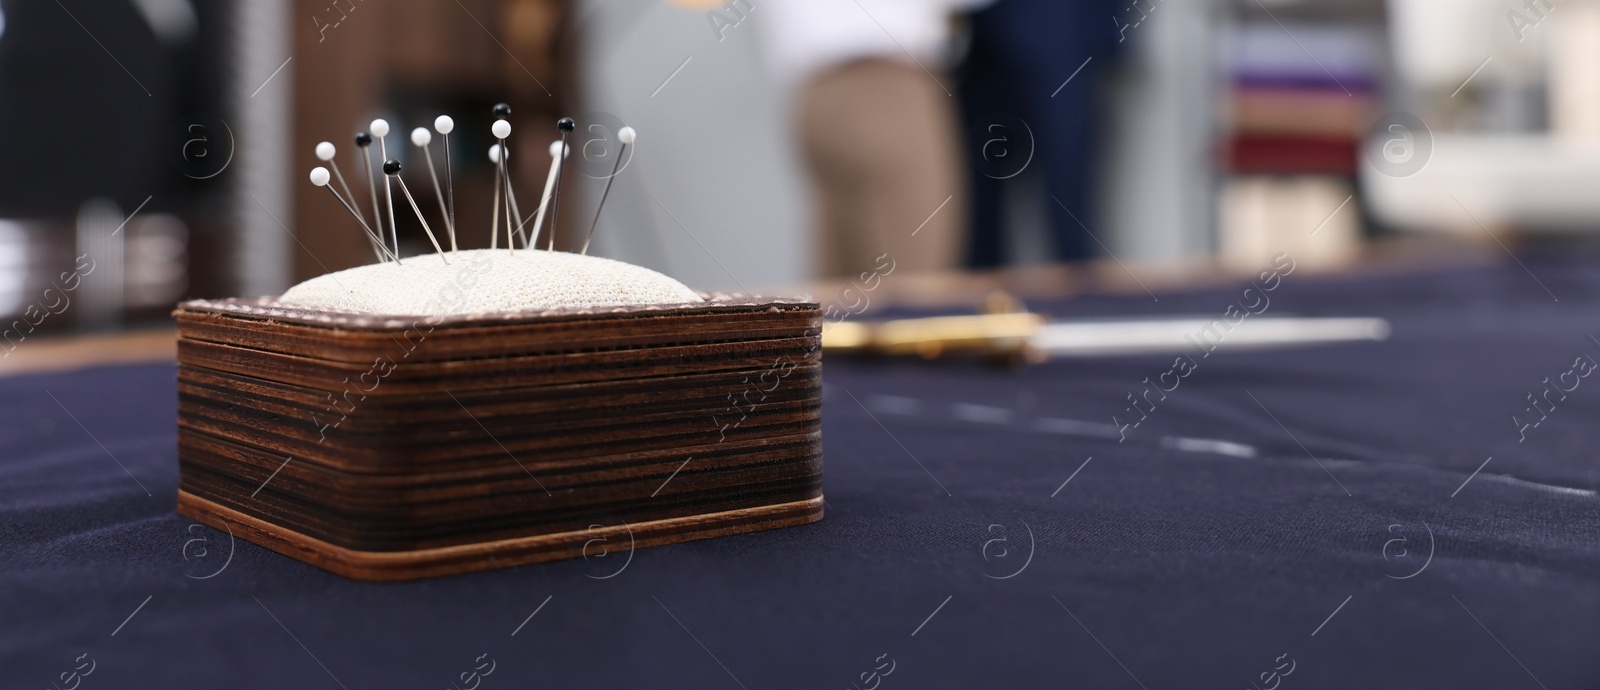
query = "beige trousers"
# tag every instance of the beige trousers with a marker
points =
(880, 141)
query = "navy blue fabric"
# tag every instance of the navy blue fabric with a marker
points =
(1173, 559)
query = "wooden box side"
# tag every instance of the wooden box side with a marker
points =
(595, 428)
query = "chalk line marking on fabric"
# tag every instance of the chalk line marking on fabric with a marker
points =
(990, 414)
(983, 414)
(897, 442)
(896, 404)
(1073, 427)
(1537, 486)
(1298, 443)
(1208, 445)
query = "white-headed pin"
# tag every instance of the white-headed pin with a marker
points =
(421, 137)
(380, 129)
(444, 125)
(319, 177)
(502, 129)
(494, 216)
(626, 136)
(556, 148)
(325, 153)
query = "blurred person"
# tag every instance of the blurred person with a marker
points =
(877, 126)
(1020, 66)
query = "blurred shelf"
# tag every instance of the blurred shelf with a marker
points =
(66, 352)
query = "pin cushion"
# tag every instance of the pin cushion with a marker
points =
(481, 409)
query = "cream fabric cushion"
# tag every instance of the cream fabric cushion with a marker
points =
(479, 281)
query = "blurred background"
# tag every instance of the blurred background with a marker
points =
(157, 150)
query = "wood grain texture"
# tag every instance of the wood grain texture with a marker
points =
(505, 553)
(348, 436)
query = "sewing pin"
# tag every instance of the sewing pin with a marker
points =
(626, 136)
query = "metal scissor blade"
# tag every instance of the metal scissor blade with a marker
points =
(1110, 338)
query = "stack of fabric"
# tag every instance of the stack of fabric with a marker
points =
(1300, 99)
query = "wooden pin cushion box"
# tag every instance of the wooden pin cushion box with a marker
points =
(392, 448)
